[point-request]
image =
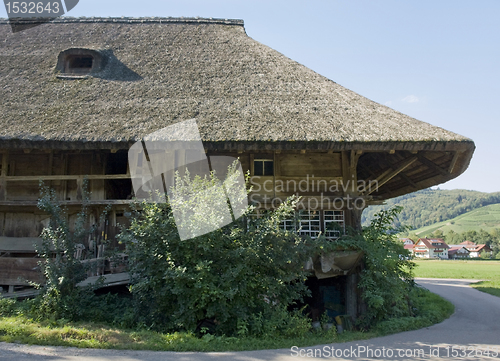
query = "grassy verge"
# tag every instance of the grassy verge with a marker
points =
(486, 270)
(429, 309)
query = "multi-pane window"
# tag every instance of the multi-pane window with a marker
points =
(312, 223)
(334, 224)
(288, 224)
(309, 223)
(263, 167)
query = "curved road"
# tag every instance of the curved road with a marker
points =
(473, 329)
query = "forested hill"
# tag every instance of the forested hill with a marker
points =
(430, 206)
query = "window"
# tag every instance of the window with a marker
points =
(288, 224)
(309, 223)
(263, 167)
(77, 63)
(334, 224)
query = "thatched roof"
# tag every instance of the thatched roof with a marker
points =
(160, 71)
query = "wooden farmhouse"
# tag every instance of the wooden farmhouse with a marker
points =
(76, 93)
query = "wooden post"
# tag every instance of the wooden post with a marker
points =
(351, 297)
(3, 183)
(79, 186)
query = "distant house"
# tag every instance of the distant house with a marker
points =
(407, 241)
(408, 244)
(475, 250)
(458, 251)
(468, 244)
(431, 248)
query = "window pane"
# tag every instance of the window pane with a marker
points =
(258, 167)
(268, 167)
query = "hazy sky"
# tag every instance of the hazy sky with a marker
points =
(437, 61)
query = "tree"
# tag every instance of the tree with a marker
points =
(224, 277)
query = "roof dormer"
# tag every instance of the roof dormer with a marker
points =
(78, 63)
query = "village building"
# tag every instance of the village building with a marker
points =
(408, 244)
(431, 248)
(458, 252)
(407, 241)
(77, 93)
(475, 250)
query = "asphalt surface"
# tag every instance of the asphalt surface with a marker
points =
(473, 329)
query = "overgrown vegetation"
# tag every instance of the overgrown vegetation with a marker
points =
(387, 278)
(17, 326)
(231, 288)
(62, 269)
(236, 280)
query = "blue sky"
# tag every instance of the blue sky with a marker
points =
(437, 61)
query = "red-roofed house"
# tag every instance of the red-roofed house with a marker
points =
(459, 251)
(476, 249)
(431, 248)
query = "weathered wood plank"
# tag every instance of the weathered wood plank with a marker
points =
(65, 177)
(16, 271)
(19, 244)
(300, 165)
(114, 279)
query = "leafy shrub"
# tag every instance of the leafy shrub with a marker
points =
(386, 279)
(59, 296)
(228, 276)
(7, 307)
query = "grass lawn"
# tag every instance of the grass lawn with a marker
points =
(488, 270)
(18, 328)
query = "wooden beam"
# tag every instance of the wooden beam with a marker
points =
(355, 154)
(103, 202)
(65, 177)
(453, 163)
(401, 175)
(407, 179)
(430, 164)
(390, 173)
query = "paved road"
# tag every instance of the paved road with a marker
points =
(474, 327)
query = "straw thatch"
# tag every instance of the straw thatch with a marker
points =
(162, 71)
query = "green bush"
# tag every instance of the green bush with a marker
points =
(386, 278)
(228, 276)
(7, 307)
(60, 298)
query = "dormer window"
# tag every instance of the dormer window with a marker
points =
(79, 63)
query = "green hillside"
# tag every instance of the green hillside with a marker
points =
(486, 218)
(430, 206)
